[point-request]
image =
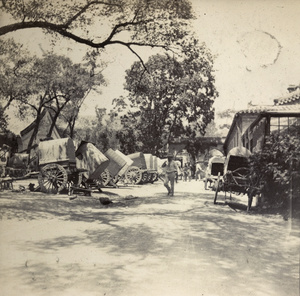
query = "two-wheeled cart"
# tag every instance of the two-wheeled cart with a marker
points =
(62, 166)
(92, 162)
(137, 172)
(151, 174)
(116, 163)
(121, 176)
(236, 176)
(214, 168)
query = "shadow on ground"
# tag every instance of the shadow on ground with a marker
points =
(151, 238)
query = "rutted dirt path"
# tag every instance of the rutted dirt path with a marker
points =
(145, 243)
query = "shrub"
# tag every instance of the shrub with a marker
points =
(278, 167)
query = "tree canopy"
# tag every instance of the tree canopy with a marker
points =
(99, 24)
(172, 98)
(51, 82)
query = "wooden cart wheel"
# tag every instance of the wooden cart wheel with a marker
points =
(154, 177)
(52, 178)
(217, 188)
(116, 179)
(105, 177)
(144, 177)
(133, 175)
(149, 177)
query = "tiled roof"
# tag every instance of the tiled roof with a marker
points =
(270, 108)
(289, 98)
(256, 110)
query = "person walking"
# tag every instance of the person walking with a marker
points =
(199, 172)
(170, 174)
(189, 171)
(185, 172)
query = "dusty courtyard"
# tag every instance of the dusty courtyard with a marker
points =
(144, 243)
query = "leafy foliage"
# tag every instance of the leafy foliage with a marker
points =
(14, 65)
(99, 24)
(53, 82)
(10, 139)
(3, 120)
(171, 98)
(102, 131)
(275, 166)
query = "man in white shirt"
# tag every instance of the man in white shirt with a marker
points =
(170, 169)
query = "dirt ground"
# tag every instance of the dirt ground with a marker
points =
(144, 243)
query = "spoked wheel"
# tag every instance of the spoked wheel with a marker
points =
(133, 175)
(116, 179)
(52, 178)
(145, 177)
(149, 177)
(154, 177)
(105, 177)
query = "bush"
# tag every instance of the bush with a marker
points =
(278, 167)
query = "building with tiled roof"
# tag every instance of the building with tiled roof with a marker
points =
(285, 107)
(290, 99)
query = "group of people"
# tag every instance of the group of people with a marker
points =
(171, 171)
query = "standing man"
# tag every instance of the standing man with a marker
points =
(170, 174)
(199, 171)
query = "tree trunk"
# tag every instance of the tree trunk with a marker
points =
(72, 126)
(35, 130)
(54, 119)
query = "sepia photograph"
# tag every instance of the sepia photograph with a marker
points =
(149, 148)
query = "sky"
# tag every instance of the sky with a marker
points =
(256, 45)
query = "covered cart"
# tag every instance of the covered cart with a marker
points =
(151, 164)
(61, 166)
(18, 165)
(236, 176)
(137, 172)
(116, 163)
(92, 162)
(214, 168)
(57, 164)
(122, 172)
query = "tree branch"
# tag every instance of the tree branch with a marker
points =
(85, 8)
(60, 29)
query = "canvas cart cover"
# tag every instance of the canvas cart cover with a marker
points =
(237, 157)
(18, 160)
(90, 158)
(149, 161)
(61, 151)
(215, 152)
(128, 160)
(155, 162)
(215, 166)
(116, 163)
(138, 160)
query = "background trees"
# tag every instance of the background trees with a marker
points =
(97, 24)
(172, 97)
(52, 82)
(102, 131)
